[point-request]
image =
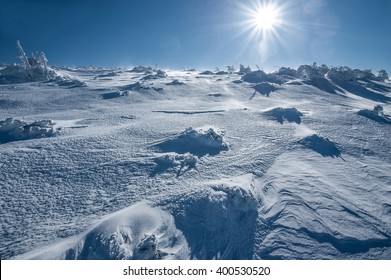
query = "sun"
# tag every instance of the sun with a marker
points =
(263, 27)
(266, 18)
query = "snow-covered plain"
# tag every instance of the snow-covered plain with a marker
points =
(144, 164)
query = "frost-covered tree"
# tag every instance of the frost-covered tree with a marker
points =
(323, 69)
(378, 109)
(231, 69)
(244, 70)
(382, 75)
(342, 73)
(23, 58)
(43, 61)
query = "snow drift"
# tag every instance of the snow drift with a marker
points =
(137, 232)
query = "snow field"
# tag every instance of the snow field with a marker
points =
(228, 173)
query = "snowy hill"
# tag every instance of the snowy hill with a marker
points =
(148, 164)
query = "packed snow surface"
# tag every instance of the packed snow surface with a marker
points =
(149, 164)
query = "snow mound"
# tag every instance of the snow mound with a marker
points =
(321, 145)
(136, 232)
(139, 87)
(289, 114)
(159, 74)
(14, 129)
(223, 220)
(376, 114)
(264, 88)
(142, 69)
(198, 142)
(180, 163)
(175, 83)
(207, 72)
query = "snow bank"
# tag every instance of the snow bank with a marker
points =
(137, 232)
(198, 142)
(14, 129)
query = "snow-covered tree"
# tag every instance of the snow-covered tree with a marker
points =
(231, 69)
(382, 75)
(23, 58)
(244, 70)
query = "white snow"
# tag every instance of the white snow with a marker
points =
(143, 164)
(136, 232)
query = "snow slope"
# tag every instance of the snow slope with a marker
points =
(142, 164)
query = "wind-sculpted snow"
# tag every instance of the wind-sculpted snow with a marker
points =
(288, 114)
(263, 88)
(321, 145)
(320, 206)
(198, 142)
(223, 220)
(181, 163)
(376, 115)
(249, 179)
(66, 81)
(136, 232)
(14, 130)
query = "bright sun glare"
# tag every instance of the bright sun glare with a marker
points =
(264, 23)
(266, 18)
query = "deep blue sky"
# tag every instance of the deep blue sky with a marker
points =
(197, 33)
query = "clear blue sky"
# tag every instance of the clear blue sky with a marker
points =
(197, 33)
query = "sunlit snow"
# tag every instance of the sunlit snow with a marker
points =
(142, 163)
